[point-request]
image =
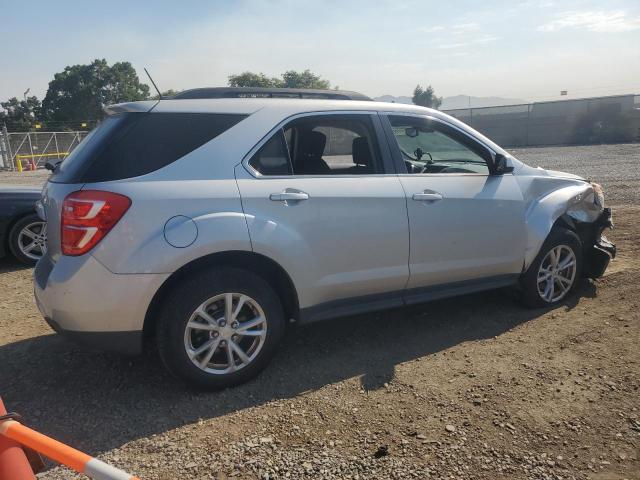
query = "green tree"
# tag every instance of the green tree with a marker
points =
(426, 97)
(81, 92)
(289, 79)
(306, 79)
(250, 79)
(20, 114)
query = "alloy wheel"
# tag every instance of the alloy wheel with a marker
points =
(225, 333)
(557, 273)
(32, 240)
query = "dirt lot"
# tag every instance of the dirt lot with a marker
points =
(474, 387)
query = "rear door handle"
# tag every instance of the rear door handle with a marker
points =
(289, 196)
(427, 197)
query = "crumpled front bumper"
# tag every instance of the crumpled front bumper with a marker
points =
(599, 252)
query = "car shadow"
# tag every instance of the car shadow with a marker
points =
(88, 399)
(9, 264)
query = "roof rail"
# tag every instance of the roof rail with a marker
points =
(260, 92)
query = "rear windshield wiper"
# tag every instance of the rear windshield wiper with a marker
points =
(52, 166)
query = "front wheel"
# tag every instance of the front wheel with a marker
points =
(220, 328)
(555, 271)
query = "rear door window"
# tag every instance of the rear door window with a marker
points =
(337, 144)
(132, 144)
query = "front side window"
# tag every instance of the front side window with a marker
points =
(431, 147)
(321, 145)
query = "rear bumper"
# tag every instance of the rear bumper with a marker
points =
(83, 300)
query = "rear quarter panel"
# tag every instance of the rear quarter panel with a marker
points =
(137, 243)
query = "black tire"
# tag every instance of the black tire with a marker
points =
(14, 238)
(530, 295)
(186, 297)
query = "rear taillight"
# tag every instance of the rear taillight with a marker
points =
(87, 216)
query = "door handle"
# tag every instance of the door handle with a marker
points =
(427, 197)
(289, 196)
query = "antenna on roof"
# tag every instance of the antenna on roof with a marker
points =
(154, 84)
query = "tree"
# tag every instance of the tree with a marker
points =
(306, 79)
(290, 79)
(82, 91)
(426, 97)
(20, 114)
(250, 79)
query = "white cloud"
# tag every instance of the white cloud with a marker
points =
(479, 39)
(594, 21)
(465, 27)
(437, 28)
(537, 4)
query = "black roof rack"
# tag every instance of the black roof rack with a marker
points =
(259, 92)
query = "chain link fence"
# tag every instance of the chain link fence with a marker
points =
(31, 150)
(614, 119)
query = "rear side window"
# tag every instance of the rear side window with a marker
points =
(133, 144)
(273, 157)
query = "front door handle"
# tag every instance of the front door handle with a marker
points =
(289, 196)
(427, 197)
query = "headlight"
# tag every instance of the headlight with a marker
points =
(599, 194)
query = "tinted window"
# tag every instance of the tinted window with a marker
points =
(272, 158)
(132, 144)
(432, 147)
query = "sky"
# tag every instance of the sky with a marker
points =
(529, 49)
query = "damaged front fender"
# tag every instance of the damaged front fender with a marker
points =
(580, 206)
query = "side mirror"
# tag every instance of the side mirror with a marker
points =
(500, 166)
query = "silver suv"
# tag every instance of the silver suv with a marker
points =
(211, 220)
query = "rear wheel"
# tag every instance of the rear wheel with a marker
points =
(28, 239)
(554, 273)
(220, 328)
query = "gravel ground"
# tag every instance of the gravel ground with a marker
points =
(615, 167)
(470, 388)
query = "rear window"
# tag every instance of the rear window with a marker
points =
(132, 144)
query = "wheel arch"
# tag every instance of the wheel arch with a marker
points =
(271, 271)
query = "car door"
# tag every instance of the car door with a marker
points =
(320, 200)
(466, 225)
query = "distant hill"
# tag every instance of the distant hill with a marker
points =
(458, 101)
